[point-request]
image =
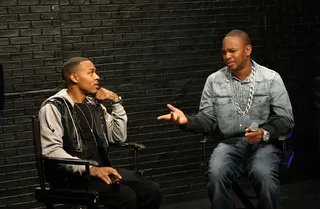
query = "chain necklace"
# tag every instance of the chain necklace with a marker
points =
(252, 80)
(91, 128)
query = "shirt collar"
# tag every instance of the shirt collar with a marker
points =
(230, 76)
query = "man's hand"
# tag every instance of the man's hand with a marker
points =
(176, 115)
(104, 94)
(104, 172)
(254, 137)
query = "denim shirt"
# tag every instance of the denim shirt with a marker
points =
(218, 107)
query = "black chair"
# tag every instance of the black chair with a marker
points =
(287, 157)
(50, 196)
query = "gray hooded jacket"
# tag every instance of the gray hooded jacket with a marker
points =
(52, 129)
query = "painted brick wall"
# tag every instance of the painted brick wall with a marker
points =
(151, 52)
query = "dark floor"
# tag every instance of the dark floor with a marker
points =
(300, 195)
(301, 191)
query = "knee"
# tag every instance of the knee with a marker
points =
(220, 168)
(264, 173)
(154, 191)
(129, 199)
(218, 174)
(265, 166)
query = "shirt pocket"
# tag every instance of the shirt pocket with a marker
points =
(260, 108)
(224, 107)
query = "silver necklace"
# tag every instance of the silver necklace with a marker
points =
(252, 80)
(91, 128)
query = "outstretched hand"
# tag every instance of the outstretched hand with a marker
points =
(176, 116)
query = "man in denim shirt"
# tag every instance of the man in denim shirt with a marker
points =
(233, 98)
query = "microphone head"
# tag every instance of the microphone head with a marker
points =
(254, 126)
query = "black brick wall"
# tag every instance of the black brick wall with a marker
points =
(151, 52)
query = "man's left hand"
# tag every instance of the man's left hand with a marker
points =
(254, 137)
(105, 94)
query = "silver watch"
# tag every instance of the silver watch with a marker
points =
(266, 135)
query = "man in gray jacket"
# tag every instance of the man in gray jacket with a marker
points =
(75, 125)
(233, 98)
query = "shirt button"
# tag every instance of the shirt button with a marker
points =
(240, 125)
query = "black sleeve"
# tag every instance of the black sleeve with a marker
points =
(200, 123)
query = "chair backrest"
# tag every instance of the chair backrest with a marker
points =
(287, 150)
(38, 150)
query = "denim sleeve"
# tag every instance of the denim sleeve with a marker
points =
(205, 121)
(280, 121)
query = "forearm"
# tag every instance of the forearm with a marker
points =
(117, 124)
(278, 126)
(199, 123)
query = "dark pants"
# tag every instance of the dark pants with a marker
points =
(133, 192)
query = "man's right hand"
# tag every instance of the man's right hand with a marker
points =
(104, 172)
(176, 115)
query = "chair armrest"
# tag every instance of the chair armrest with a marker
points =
(68, 160)
(203, 146)
(71, 161)
(131, 145)
(283, 138)
(135, 147)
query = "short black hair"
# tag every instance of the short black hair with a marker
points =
(240, 34)
(69, 65)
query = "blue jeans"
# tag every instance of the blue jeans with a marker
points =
(229, 161)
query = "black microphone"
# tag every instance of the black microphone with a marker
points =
(113, 179)
(254, 127)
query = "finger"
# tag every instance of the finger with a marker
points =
(105, 178)
(252, 134)
(171, 107)
(98, 94)
(164, 117)
(174, 117)
(249, 141)
(102, 96)
(115, 172)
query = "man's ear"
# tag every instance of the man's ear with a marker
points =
(73, 78)
(248, 50)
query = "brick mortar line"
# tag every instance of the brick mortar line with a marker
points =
(31, 92)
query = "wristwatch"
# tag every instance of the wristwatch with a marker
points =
(119, 100)
(266, 135)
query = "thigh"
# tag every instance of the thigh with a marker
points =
(265, 160)
(142, 187)
(111, 195)
(228, 159)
